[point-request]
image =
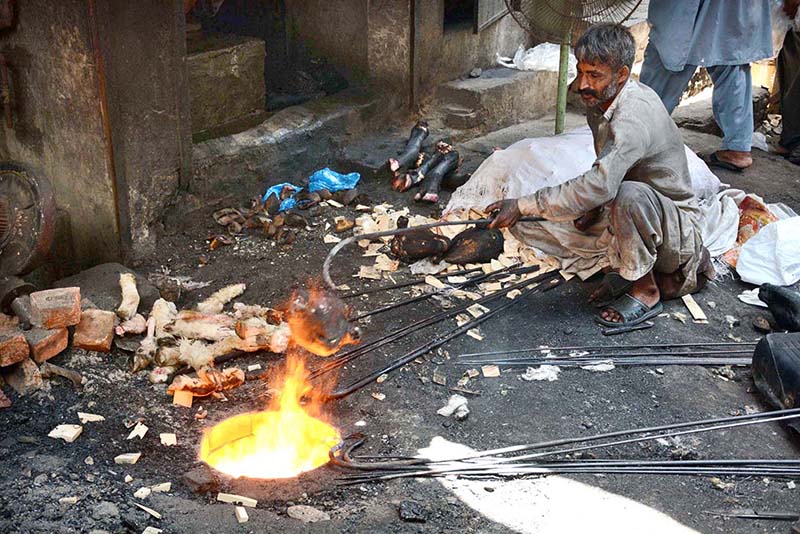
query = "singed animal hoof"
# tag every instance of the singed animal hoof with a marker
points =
(418, 244)
(475, 245)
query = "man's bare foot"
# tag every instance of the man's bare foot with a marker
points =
(644, 290)
(735, 157)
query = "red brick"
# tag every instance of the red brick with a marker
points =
(56, 308)
(24, 377)
(46, 343)
(95, 331)
(13, 347)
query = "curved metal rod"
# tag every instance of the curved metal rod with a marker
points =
(326, 267)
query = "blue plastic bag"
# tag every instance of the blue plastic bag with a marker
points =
(321, 179)
(332, 180)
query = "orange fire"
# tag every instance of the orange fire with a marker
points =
(282, 442)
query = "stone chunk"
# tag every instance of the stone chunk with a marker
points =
(100, 285)
(24, 377)
(56, 308)
(45, 343)
(307, 514)
(95, 331)
(201, 479)
(13, 347)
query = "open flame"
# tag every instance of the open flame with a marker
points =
(281, 442)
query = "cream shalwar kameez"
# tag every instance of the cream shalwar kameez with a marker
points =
(640, 176)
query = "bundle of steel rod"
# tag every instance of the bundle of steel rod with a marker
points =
(505, 271)
(440, 340)
(729, 353)
(339, 360)
(407, 283)
(519, 460)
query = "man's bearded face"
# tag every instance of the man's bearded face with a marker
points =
(597, 83)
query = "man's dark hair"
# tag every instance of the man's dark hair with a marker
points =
(610, 44)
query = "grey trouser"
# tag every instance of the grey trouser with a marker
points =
(732, 100)
(639, 231)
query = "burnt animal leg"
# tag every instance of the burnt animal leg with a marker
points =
(413, 147)
(430, 191)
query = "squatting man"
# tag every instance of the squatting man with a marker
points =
(637, 199)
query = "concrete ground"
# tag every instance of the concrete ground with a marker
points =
(36, 471)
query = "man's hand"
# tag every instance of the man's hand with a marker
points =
(507, 213)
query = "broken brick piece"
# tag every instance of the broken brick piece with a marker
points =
(24, 377)
(46, 343)
(95, 331)
(13, 347)
(5, 402)
(56, 308)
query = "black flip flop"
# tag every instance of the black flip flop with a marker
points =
(632, 310)
(614, 286)
(713, 161)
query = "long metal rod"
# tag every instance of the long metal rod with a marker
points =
(340, 360)
(558, 360)
(427, 347)
(424, 296)
(414, 282)
(623, 362)
(326, 266)
(613, 347)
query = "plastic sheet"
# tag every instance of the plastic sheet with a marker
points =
(545, 56)
(321, 179)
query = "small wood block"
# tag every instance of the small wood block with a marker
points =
(694, 308)
(129, 458)
(90, 418)
(68, 433)
(138, 431)
(183, 398)
(241, 514)
(230, 498)
(490, 371)
(168, 439)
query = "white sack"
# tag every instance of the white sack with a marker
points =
(772, 255)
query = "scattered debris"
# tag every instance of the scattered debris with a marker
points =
(142, 493)
(475, 334)
(439, 378)
(600, 367)
(490, 371)
(678, 316)
(720, 485)
(237, 499)
(68, 433)
(138, 431)
(148, 510)
(90, 418)
(168, 439)
(68, 500)
(732, 321)
(24, 377)
(182, 398)
(164, 487)
(456, 406)
(697, 312)
(378, 396)
(761, 324)
(201, 479)
(241, 514)
(412, 512)
(307, 514)
(128, 458)
(548, 373)
(152, 530)
(49, 370)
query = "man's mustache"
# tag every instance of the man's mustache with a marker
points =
(589, 92)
